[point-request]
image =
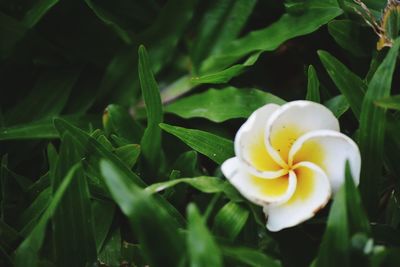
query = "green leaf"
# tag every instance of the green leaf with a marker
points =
(313, 85)
(74, 214)
(392, 102)
(39, 9)
(222, 104)
(349, 84)
(250, 257)
(346, 218)
(28, 251)
(111, 252)
(151, 140)
(162, 37)
(205, 184)
(314, 15)
(214, 147)
(338, 105)
(187, 164)
(387, 257)
(347, 34)
(128, 154)
(110, 20)
(227, 74)
(334, 249)
(103, 214)
(221, 24)
(230, 220)
(94, 151)
(31, 214)
(132, 253)
(103, 140)
(120, 81)
(118, 120)
(93, 148)
(358, 220)
(149, 221)
(10, 193)
(372, 130)
(32, 130)
(44, 129)
(177, 88)
(203, 250)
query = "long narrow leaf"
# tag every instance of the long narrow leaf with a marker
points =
(203, 250)
(72, 222)
(28, 252)
(314, 14)
(222, 104)
(372, 130)
(313, 85)
(230, 220)
(349, 84)
(94, 151)
(216, 148)
(151, 140)
(150, 222)
(204, 184)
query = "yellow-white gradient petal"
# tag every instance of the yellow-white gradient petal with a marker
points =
(291, 121)
(250, 145)
(311, 194)
(329, 150)
(261, 191)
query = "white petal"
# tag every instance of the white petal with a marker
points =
(250, 145)
(329, 150)
(258, 190)
(311, 194)
(291, 121)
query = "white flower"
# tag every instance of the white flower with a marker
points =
(290, 159)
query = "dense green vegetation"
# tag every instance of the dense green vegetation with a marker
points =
(115, 117)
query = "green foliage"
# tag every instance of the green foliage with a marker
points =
(111, 150)
(372, 139)
(215, 147)
(151, 140)
(202, 248)
(73, 214)
(392, 102)
(149, 221)
(313, 85)
(219, 105)
(347, 221)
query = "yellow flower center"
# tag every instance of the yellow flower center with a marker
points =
(282, 140)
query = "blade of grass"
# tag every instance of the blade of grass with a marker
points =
(203, 250)
(372, 130)
(230, 220)
(205, 184)
(214, 147)
(392, 102)
(349, 84)
(74, 241)
(151, 140)
(28, 251)
(94, 151)
(149, 221)
(219, 105)
(313, 85)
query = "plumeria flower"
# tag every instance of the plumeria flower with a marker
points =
(290, 159)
